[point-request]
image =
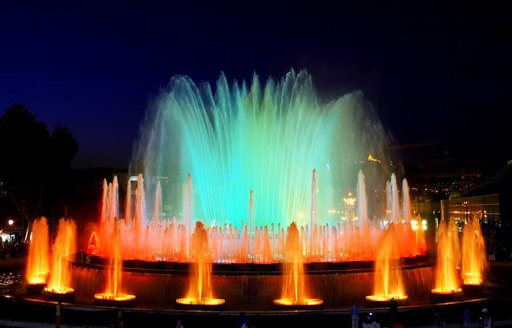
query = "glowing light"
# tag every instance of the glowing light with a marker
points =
(448, 259)
(474, 260)
(227, 140)
(294, 291)
(372, 159)
(388, 280)
(38, 257)
(119, 297)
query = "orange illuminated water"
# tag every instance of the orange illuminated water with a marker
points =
(473, 254)
(448, 259)
(59, 281)
(388, 280)
(200, 289)
(294, 290)
(38, 257)
(168, 239)
(113, 288)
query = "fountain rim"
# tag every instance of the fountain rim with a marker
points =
(84, 260)
(273, 312)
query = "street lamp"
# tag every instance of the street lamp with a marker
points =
(10, 222)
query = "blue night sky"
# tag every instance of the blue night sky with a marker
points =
(435, 73)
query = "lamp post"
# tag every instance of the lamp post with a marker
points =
(10, 222)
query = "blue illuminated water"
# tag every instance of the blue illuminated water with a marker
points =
(267, 139)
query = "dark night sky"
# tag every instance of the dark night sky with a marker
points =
(435, 73)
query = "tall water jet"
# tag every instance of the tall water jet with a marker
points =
(200, 290)
(38, 257)
(294, 291)
(474, 260)
(447, 278)
(114, 294)
(411, 234)
(264, 138)
(58, 287)
(361, 237)
(388, 279)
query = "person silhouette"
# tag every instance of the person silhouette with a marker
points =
(393, 311)
(242, 318)
(354, 314)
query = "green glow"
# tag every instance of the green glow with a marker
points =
(266, 139)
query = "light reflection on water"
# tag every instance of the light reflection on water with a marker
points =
(10, 282)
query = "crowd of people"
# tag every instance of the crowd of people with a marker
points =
(12, 249)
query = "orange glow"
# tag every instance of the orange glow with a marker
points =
(118, 297)
(388, 280)
(169, 240)
(473, 254)
(448, 259)
(38, 257)
(294, 290)
(64, 245)
(92, 246)
(113, 288)
(202, 301)
(200, 291)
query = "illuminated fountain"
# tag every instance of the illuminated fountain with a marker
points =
(251, 150)
(114, 295)
(200, 290)
(474, 260)
(447, 277)
(264, 139)
(58, 287)
(295, 293)
(388, 280)
(38, 257)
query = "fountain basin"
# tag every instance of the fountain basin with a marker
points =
(442, 296)
(35, 289)
(65, 295)
(301, 304)
(185, 303)
(245, 286)
(383, 301)
(473, 290)
(119, 300)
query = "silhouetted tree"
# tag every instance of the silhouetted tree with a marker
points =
(34, 163)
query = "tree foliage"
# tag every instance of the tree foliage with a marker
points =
(34, 163)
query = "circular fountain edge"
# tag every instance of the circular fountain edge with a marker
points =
(82, 259)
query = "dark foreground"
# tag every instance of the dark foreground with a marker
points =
(497, 297)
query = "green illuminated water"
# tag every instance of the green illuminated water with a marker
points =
(265, 138)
